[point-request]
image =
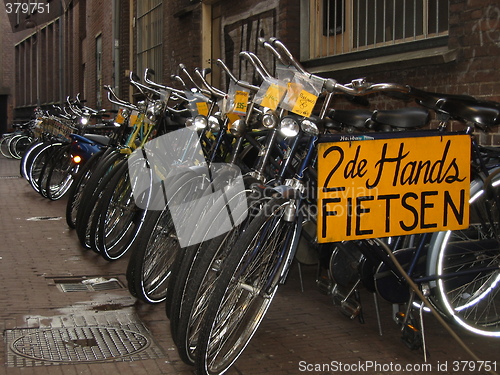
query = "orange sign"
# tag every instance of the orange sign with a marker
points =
(389, 187)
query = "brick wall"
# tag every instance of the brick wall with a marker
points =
(81, 23)
(182, 37)
(7, 72)
(98, 24)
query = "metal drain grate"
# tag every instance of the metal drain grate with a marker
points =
(82, 284)
(62, 345)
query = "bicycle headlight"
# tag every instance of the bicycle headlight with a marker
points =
(189, 122)
(141, 105)
(269, 120)
(237, 128)
(309, 127)
(214, 123)
(154, 110)
(200, 122)
(289, 127)
(84, 120)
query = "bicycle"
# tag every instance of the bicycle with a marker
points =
(260, 260)
(14, 145)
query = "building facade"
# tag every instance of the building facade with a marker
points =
(7, 74)
(449, 46)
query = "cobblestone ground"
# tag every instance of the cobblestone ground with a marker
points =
(303, 331)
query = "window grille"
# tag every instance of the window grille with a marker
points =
(343, 26)
(149, 36)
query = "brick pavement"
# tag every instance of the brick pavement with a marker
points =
(301, 328)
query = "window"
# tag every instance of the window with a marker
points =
(338, 27)
(149, 36)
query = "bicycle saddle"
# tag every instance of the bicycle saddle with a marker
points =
(402, 118)
(355, 118)
(430, 99)
(482, 113)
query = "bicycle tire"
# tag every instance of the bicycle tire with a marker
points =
(154, 253)
(60, 174)
(76, 189)
(39, 163)
(120, 219)
(247, 285)
(19, 145)
(4, 146)
(198, 270)
(90, 195)
(470, 299)
(27, 158)
(224, 174)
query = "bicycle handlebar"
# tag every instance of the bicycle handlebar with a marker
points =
(243, 84)
(185, 71)
(277, 43)
(273, 50)
(134, 79)
(213, 90)
(148, 71)
(117, 100)
(177, 78)
(246, 55)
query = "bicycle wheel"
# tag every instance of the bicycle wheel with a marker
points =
(90, 195)
(60, 174)
(467, 265)
(28, 156)
(4, 146)
(154, 253)
(246, 287)
(36, 172)
(199, 268)
(19, 145)
(119, 219)
(212, 215)
(78, 186)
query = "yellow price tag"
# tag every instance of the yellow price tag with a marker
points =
(202, 108)
(133, 118)
(305, 104)
(232, 117)
(240, 102)
(119, 119)
(273, 96)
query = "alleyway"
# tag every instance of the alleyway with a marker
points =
(43, 299)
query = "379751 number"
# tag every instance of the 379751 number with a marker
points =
(27, 8)
(463, 366)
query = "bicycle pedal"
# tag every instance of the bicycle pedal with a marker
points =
(351, 309)
(348, 306)
(325, 285)
(412, 337)
(400, 317)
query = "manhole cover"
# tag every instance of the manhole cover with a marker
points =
(76, 344)
(79, 344)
